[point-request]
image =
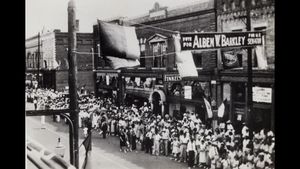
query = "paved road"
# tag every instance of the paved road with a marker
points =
(105, 152)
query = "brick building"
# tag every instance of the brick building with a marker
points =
(157, 79)
(232, 83)
(54, 59)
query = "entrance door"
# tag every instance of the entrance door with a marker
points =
(261, 119)
(155, 100)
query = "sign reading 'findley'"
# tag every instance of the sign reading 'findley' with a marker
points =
(192, 41)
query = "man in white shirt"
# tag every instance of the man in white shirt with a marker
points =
(156, 139)
(165, 138)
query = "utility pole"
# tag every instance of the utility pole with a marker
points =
(38, 61)
(72, 58)
(93, 60)
(249, 71)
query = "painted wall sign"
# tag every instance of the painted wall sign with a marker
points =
(193, 41)
(172, 78)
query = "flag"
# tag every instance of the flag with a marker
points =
(208, 109)
(185, 64)
(87, 145)
(184, 60)
(87, 142)
(261, 58)
(88, 161)
(117, 63)
(221, 110)
(118, 41)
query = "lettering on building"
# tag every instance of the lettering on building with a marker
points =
(172, 78)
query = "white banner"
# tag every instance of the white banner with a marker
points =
(107, 80)
(188, 92)
(262, 94)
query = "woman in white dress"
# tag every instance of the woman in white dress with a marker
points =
(175, 148)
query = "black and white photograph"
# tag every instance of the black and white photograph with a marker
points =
(150, 84)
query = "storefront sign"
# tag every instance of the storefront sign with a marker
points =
(172, 78)
(107, 80)
(188, 92)
(192, 41)
(108, 74)
(262, 94)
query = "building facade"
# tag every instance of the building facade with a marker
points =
(53, 59)
(157, 80)
(232, 83)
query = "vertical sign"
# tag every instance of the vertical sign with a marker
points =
(107, 80)
(188, 92)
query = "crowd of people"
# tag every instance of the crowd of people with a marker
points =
(187, 140)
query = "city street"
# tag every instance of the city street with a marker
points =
(193, 78)
(105, 152)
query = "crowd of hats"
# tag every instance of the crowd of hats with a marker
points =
(234, 147)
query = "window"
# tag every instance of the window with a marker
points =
(197, 59)
(142, 51)
(33, 60)
(45, 63)
(59, 40)
(28, 59)
(159, 49)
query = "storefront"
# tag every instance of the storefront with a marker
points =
(235, 92)
(187, 95)
(107, 84)
(144, 86)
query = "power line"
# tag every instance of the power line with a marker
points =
(154, 27)
(148, 56)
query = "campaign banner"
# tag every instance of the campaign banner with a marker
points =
(194, 41)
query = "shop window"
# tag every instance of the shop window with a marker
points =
(113, 82)
(197, 59)
(176, 89)
(28, 59)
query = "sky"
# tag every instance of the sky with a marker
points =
(52, 14)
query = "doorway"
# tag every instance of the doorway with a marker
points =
(156, 106)
(261, 119)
